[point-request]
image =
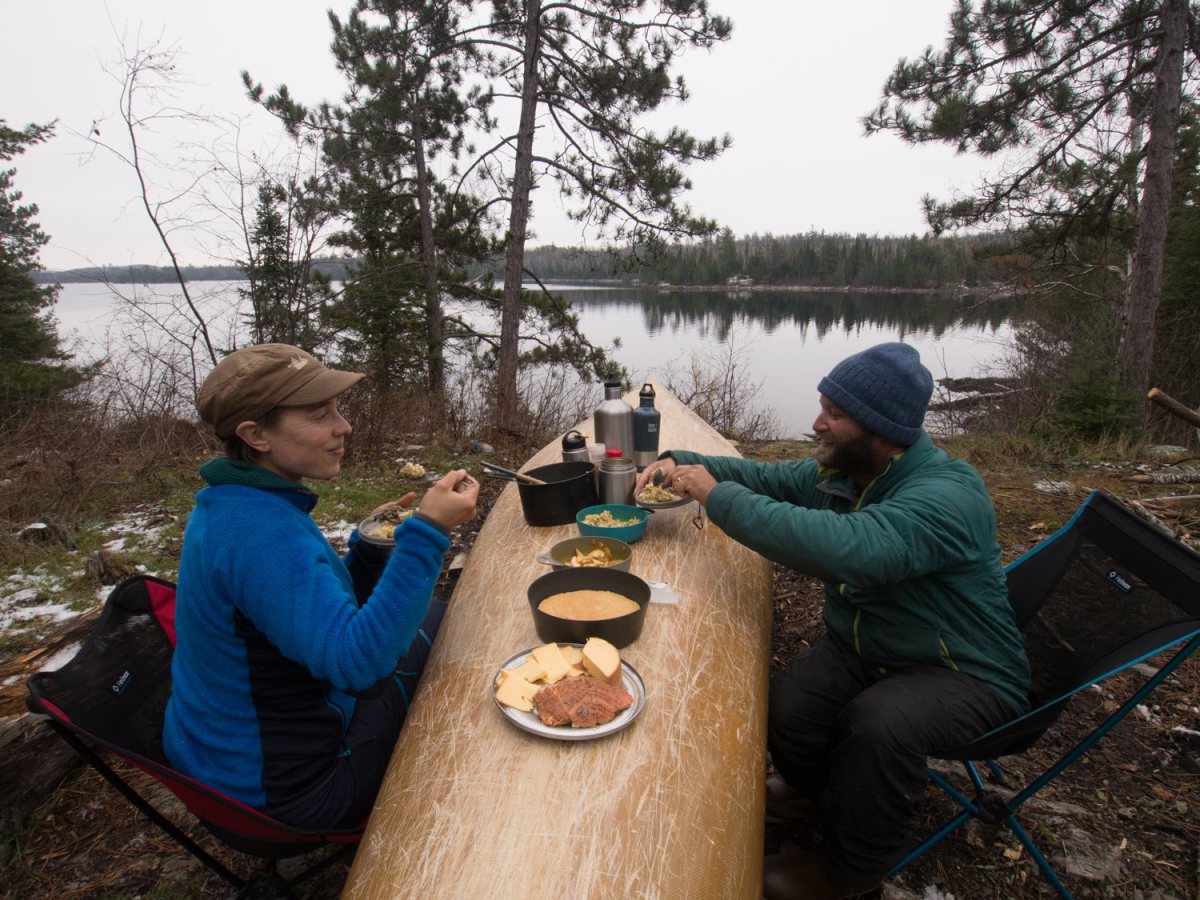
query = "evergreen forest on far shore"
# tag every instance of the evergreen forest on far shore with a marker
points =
(813, 260)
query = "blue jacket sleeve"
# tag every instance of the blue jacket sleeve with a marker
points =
(303, 599)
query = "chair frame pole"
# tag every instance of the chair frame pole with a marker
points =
(974, 810)
(95, 761)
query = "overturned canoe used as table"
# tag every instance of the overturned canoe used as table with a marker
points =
(670, 807)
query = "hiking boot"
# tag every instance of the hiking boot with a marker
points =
(810, 875)
(787, 805)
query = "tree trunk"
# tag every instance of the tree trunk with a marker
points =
(505, 413)
(1144, 289)
(434, 321)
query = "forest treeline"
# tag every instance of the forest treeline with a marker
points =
(814, 259)
(334, 269)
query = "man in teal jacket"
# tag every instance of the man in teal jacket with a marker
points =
(920, 653)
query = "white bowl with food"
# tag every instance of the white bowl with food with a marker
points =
(589, 553)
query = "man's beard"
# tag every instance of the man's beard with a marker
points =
(854, 457)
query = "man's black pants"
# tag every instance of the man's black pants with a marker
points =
(856, 740)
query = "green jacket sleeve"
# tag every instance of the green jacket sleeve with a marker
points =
(776, 511)
(791, 482)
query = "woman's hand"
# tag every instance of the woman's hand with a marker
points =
(693, 482)
(666, 465)
(451, 500)
(404, 501)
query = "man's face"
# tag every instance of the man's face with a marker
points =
(842, 443)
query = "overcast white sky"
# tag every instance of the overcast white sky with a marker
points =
(790, 87)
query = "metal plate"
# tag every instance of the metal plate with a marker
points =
(665, 504)
(529, 721)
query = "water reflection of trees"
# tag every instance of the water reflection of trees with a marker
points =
(717, 312)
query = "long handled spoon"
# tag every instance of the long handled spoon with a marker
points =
(500, 472)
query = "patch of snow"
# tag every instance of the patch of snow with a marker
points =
(59, 659)
(56, 612)
(23, 587)
(1183, 729)
(1053, 487)
(338, 531)
(144, 525)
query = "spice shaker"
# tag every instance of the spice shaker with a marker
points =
(646, 420)
(617, 479)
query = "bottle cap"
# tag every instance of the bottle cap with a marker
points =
(573, 440)
(612, 453)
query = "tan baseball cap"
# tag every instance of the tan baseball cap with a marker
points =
(248, 383)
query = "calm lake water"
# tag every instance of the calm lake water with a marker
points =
(783, 342)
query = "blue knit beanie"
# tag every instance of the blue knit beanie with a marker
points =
(885, 389)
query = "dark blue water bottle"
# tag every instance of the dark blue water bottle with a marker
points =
(645, 428)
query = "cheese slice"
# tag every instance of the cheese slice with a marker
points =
(550, 658)
(514, 691)
(572, 655)
(531, 670)
(601, 660)
(574, 659)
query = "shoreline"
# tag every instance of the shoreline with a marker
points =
(991, 291)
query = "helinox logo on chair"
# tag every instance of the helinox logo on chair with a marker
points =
(118, 686)
(1120, 580)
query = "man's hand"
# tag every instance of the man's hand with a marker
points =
(665, 465)
(693, 482)
(451, 500)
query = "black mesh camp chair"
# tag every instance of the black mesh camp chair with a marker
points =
(1107, 591)
(112, 696)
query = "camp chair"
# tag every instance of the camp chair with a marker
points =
(113, 695)
(1105, 592)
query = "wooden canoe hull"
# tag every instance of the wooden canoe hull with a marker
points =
(671, 807)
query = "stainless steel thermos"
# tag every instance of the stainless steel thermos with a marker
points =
(617, 479)
(613, 419)
(646, 420)
(574, 447)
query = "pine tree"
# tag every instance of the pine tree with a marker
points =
(1084, 97)
(288, 297)
(590, 70)
(30, 355)
(406, 108)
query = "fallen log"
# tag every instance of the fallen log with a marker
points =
(36, 760)
(1174, 500)
(1178, 476)
(1173, 406)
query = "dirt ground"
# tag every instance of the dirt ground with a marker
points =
(1122, 822)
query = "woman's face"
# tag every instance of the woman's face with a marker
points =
(305, 442)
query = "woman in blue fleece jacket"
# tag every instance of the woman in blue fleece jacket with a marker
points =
(288, 691)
